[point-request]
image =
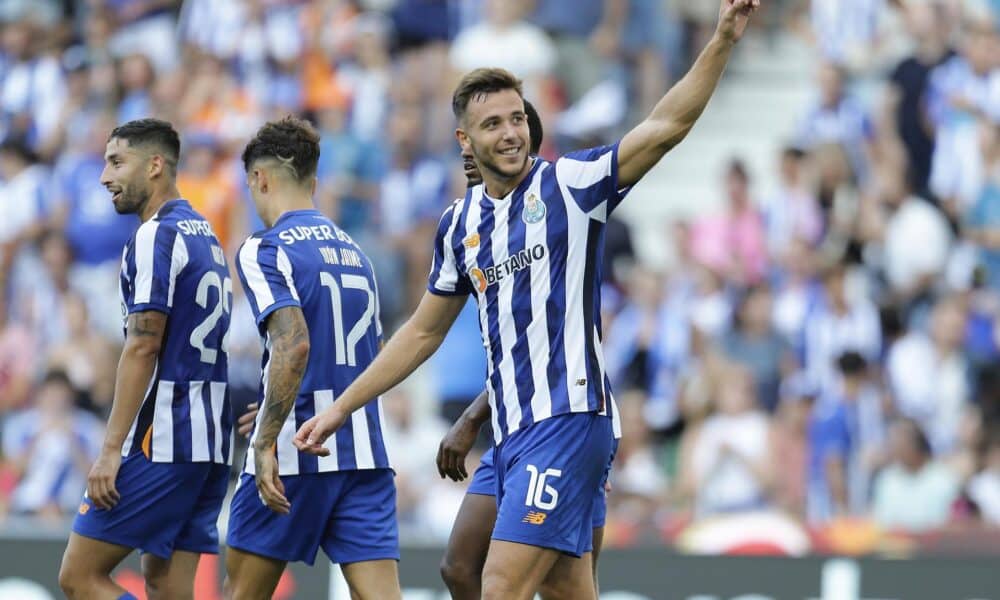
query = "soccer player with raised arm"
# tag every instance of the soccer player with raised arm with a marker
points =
(462, 565)
(161, 478)
(527, 243)
(313, 293)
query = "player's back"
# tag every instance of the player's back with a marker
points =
(175, 265)
(305, 260)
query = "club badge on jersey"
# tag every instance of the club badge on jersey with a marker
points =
(534, 210)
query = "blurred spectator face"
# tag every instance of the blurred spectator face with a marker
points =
(16, 39)
(738, 186)
(200, 160)
(948, 324)
(905, 445)
(136, 72)
(503, 13)
(799, 259)
(834, 284)
(791, 167)
(755, 313)
(831, 85)
(98, 28)
(54, 398)
(332, 119)
(645, 287)
(832, 166)
(496, 130)
(405, 129)
(12, 162)
(56, 255)
(736, 392)
(979, 45)
(75, 315)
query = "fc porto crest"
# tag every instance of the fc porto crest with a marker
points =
(534, 209)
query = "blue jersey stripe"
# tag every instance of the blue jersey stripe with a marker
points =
(522, 311)
(595, 392)
(375, 428)
(162, 265)
(206, 403)
(346, 458)
(557, 239)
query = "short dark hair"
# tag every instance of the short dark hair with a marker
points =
(57, 377)
(291, 141)
(480, 82)
(852, 363)
(535, 130)
(151, 132)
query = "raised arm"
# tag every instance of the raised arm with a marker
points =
(676, 113)
(414, 343)
(143, 340)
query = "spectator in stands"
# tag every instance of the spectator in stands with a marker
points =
(733, 243)
(982, 223)
(754, 343)
(638, 480)
(52, 446)
(842, 320)
(19, 352)
(790, 442)
(32, 88)
(727, 463)
(914, 493)
(929, 374)
(23, 210)
(146, 26)
(797, 291)
(984, 487)
(960, 93)
(929, 27)
(792, 213)
(839, 118)
(846, 434)
(87, 357)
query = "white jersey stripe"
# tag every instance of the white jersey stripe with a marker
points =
(538, 330)
(577, 229)
(288, 456)
(362, 441)
(285, 266)
(323, 399)
(505, 317)
(259, 288)
(145, 249)
(178, 260)
(448, 274)
(162, 442)
(199, 422)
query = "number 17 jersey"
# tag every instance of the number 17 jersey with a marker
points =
(306, 261)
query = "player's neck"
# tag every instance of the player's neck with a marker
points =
(288, 203)
(157, 199)
(498, 186)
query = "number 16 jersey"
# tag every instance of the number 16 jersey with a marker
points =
(306, 261)
(175, 265)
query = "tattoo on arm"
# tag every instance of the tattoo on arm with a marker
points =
(146, 324)
(289, 338)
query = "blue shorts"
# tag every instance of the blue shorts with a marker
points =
(484, 483)
(163, 507)
(547, 476)
(351, 515)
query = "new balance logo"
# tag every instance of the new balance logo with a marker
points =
(534, 518)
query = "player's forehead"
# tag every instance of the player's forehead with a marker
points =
(117, 147)
(494, 104)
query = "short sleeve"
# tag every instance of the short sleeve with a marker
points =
(592, 178)
(266, 274)
(446, 279)
(157, 258)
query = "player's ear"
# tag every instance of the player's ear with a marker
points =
(156, 166)
(463, 139)
(260, 177)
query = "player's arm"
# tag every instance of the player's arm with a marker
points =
(413, 344)
(676, 113)
(459, 440)
(289, 337)
(144, 337)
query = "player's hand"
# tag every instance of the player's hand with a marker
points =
(101, 480)
(454, 448)
(314, 432)
(270, 490)
(733, 18)
(244, 425)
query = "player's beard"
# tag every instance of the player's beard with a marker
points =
(486, 163)
(132, 200)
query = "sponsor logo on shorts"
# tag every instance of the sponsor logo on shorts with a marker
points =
(534, 517)
(84, 508)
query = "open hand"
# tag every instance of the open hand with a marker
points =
(314, 432)
(454, 448)
(270, 490)
(733, 18)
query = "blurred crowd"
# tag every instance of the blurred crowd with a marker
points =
(828, 349)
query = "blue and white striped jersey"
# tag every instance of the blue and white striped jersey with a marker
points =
(305, 260)
(533, 259)
(175, 265)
